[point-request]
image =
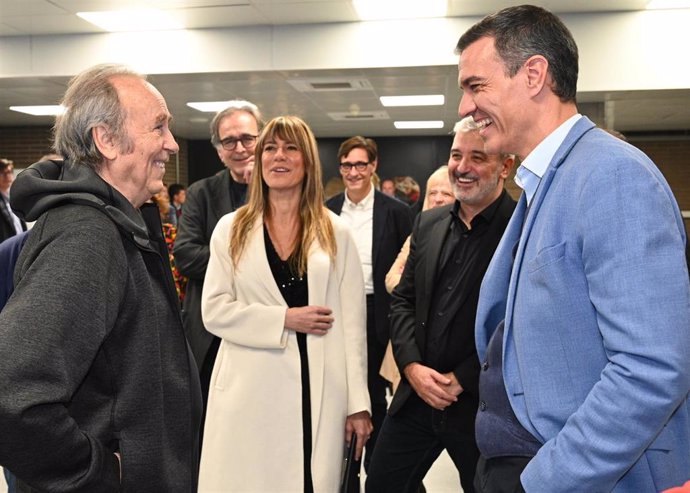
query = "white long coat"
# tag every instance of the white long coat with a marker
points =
(253, 432)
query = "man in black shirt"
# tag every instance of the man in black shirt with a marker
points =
(432, 322)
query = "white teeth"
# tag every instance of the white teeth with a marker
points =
(478, 125)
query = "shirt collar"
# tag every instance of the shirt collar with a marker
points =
(539, 159)
(366, 203)
(485, 215)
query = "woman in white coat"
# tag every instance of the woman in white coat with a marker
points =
(284, 292)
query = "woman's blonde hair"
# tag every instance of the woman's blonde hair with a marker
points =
(314, 221)
(162, 201)
(440, 173)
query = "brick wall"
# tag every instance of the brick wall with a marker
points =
(25, 145)
(672, 156)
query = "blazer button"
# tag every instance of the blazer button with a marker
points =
(485, 366)
(482, 406)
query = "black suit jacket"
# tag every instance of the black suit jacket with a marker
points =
(6, 225)
(207, 201)
(412, 297)
(391, 227)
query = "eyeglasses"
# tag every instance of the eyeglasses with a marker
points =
(230, 143)
(359, 166)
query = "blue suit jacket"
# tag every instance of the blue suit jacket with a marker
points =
(597, 321)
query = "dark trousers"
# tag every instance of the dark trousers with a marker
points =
(375, 382)
(11, 482)
(205, 373)
(411, 441)
(500, 474)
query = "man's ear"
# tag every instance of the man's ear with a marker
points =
(507, 166)
(537, 72)
(105, 142)
(375, 163)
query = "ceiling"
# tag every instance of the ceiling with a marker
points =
(330, 113)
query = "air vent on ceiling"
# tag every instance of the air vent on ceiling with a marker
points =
(361, 115)
(330, 84)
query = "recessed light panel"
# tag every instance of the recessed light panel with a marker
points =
(132, 20)
(45, 110)
(404, 125)
(668, 4)
(369, 10)
(209, 106)
(422, 100)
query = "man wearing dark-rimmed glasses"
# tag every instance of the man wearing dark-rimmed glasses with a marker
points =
(380, 225)
(233, 134)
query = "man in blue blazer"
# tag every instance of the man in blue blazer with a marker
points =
(583, 324)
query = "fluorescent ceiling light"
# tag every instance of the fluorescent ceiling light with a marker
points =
(419, 124)
(369, 10)
(422, 100)
(45, 110)
(668, 4)
(132, 20)
(209, 106)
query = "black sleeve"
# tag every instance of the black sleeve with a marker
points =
(191, 250)
(402, 312)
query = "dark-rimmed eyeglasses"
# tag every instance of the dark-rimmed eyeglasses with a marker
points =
(359, 166)
(248, 141)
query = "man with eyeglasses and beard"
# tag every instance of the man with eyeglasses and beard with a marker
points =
(233, 133)
(381, 224)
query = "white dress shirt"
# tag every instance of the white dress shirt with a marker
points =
(360, 217)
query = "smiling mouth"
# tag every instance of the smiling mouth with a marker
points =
(480, 124)
(464, 180)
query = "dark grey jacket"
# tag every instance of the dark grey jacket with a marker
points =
(93, 358)
(207, 201)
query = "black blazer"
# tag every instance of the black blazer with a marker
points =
(6, 225)
(412, 296)
(207, 201)
(391, 227)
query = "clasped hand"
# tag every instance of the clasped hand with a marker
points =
(309, 319)
(439, 390)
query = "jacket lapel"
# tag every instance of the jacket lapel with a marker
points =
(582, 126)
(338, 202)
(318, 272)
(494, 290)
(380, 214)
(258, 261)
(437, 237)
(222, 200)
